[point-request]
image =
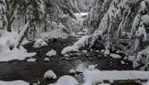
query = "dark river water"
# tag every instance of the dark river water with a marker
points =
(33, 72)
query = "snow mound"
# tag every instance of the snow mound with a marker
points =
(115, 55)
(50, 75)
(67, 80)
(18, 82)
(72, 71)
(51, 53)
(46, 59)
(80, 43)
(15, 54)
(92, 67)
(31, 60)
(40, 43)
(69, 49)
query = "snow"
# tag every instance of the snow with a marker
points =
(46, 59)
(104, 84)
(51, 53)
(143, 6)
(97, 76)
(83, 41)
(146, 83)
(84, 51)
(69, 49)
(80, 67)
(106, 52)
(67, 80)
(145, 19)
(115, 55)
(92, 67)
(40, 43)
(50, 75)
(31, 60)
(72, 71)
(15, 54)
(17, 82)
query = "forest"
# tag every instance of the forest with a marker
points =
(74, 42)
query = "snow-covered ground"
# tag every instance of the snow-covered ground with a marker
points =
(18, 82)
(15, 54)
(7, 41)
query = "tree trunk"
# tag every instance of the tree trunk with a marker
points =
(9, 27)
(23, 34)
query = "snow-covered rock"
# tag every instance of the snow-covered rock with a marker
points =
(50, 75)
(17, 82)
(67, 80)
(92, 67)
(84, 51)
(15, 54)
(69, 49)
(106, 52)
(46, 59)
(83, 41)
(115, 55)
(51, 53)
(40, 43)
(80, 68)
(31, 60)
(72, 71)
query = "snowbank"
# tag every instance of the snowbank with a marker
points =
(50, 75)
(51, 53)
(18, 82)
(15, 54)
(97, 76)
(40, 43)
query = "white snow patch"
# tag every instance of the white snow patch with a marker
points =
(115, 55)
(145, 19)
(17, 82)
(67, 80)
(50, 75)
(15, 54)
(46, 59)
(80, 43)
(69, 49)
(40, 43)
(92, 67)
(106, 52)
(72, 71)
(31, 60)
(51, 53)
(81, 67)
